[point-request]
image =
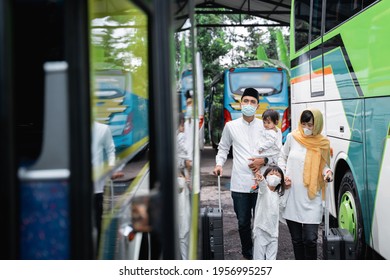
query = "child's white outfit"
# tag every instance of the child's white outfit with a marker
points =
(266, 223)
(268, 146)
(182, 152)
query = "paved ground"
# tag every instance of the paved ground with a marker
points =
(209, 197)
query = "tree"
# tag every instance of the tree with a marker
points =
(265, 37)
(213, 43)
(120, 42)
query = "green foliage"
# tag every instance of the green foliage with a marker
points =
(213, 43)
(261, 55)
(216, 43)
(123, 47)
(282, 49)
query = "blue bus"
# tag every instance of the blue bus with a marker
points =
(117, 105)
(270, 81)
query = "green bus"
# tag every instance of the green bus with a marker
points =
(339, 65)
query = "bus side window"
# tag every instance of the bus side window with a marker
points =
(338, 11)
(302, 24)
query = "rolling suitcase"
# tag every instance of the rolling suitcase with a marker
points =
(212, 230)
(338, 243)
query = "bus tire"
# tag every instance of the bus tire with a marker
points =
(350, 212)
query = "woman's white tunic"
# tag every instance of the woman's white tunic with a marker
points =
(299, 207)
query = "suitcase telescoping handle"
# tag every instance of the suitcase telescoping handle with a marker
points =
(219, 193)
(326, 209)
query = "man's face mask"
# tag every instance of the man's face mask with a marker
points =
(248, 110)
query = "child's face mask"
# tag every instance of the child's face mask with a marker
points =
(273, 180)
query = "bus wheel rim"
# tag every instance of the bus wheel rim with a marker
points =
(347, 213)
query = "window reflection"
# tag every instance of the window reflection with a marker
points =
(184, 166)
(120, 85)
(189, 139)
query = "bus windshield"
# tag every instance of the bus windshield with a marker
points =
(266, 83)
(110, 82)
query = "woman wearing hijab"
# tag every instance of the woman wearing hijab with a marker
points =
(304, 159)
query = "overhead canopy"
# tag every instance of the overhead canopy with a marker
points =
(277, 11)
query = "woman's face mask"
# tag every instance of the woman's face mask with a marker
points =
(248, 110)
(273, 180)
(308, 127)
(307, 131)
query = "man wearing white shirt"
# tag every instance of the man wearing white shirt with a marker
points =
(103, 149)
(242, 134)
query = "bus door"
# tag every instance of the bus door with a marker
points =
(316, 57)
(120, 124)
(50, 215)
(8, 191)
(56, 89)
(308, 77)
(136, 102)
